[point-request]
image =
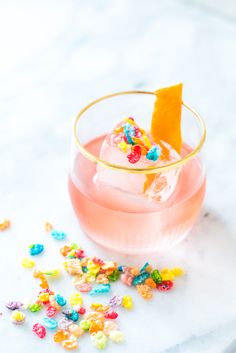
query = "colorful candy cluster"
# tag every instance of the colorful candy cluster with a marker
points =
(131, 139)
(94, 276)
(68, 319)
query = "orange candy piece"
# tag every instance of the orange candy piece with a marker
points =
(60, 336)
(145, 291)
(150, 283)
(97, 325)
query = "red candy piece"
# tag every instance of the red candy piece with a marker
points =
(137, 132)
(82, 311)
(131, 118)
(110, 315)
(79, 254)
(165, 286)
(98, 261)
(39, 330)
(51, 311)
(133, 157)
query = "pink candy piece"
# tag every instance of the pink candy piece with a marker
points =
(127, 278)
(84, 287)
(79, 254)
(39, 330)
(51, 311)
(111, 315)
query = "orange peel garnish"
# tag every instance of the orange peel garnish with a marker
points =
(166, 122)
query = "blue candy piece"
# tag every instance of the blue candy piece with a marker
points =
(121, 268)
(153, 154)
(58, 235)
(36, 249)
(144, 267)
(140, 278)
(71, 315)
(49, 323)
(129, 131)
(60, 300)
(100, 289)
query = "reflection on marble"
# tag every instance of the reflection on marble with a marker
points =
(57, 56)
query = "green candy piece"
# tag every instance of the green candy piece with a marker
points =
(85, 325)
(35, 307)
(156, 276)
(114, 276)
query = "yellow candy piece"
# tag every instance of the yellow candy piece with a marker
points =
(17, 317)
(27, 263)
(116, 336)
(54, 272)
(167, 275)
(92, 267)
(123, 146)
(90, 277)
(147, 141)
(127, 302)
(76, 299)
(177, 271)
(99, 307)
(76, 330)
(43, 297)
(130, 121)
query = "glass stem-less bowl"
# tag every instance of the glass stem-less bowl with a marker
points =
(114, 217)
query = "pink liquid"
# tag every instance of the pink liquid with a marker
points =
(132, 223)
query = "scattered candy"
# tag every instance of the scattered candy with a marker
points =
(36, 249)
(14, 305)
(75, 330)
(94, 276)
(70, 344)
(71, 315)
(85, 325)
(60, 336)
(49, 323)
(5, 224)
(75, 299)
(165, 286)
(127, 302)
(51, 311)
(111, 315)
(100, 288)
(27, 263)
(99, 340)
(17, 317)
(60, 300)
(64, 323)
(58, 235)
(39, 330)
(116, 336)
(35, 307)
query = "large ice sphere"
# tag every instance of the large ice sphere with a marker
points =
(160, 189)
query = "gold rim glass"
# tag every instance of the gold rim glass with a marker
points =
(157, 169)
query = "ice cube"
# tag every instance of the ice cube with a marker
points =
(163, 184)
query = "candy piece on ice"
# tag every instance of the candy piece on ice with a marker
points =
(163, 184)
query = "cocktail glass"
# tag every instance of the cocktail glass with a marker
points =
(125, 221)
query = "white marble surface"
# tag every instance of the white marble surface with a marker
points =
(55, 57)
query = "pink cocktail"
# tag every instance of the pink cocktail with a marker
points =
(134, 222)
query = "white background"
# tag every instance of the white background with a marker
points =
(55, 56)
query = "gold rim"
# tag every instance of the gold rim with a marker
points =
(149, 170)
